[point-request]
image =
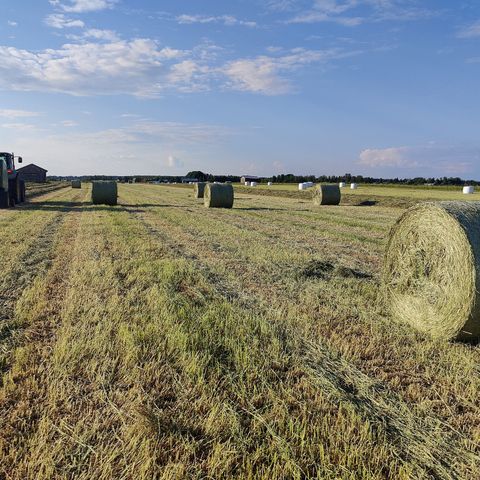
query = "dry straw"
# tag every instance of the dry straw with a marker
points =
(76, 184)
(199, 189)
(432, 269)
(218, 195)
(327, 195)
(104, 192)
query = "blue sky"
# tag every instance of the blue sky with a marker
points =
(374, 87)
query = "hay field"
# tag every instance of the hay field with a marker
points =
(161, 339)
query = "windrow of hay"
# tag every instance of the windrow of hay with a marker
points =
(327, 195)
(199, 189)
(104, 192)
(432, 269)
(76, 184)
(218, 195)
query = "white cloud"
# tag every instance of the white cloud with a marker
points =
(265, 74)
(59, 20)
(387, 157)
(137, 67)
(99, 63)
(107, 35)
(227, 20)
(69, 123)
(354, 12)
(81, 6)
(9, 113)
(173, 162)
(433, 159)
(11, 23)
(470, 31)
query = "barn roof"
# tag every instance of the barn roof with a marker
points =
(30, 165)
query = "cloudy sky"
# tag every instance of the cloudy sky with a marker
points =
(373, 87)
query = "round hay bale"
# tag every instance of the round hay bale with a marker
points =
(270, 184)
(431, 273)
(353, 186)
(76, 184)
(468, 190)
(199, 189)
(104, 193)
(342, 185)
(301, 186)
(253, 184)
(327, 195)
(219, 195)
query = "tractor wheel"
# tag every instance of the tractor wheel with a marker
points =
(4, 203)
(23, 195)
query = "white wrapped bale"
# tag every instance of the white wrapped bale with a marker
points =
(253, 184)
(270, 184)
(247, 184)
(301, 186)
(342, 184)
(468, 190)
(353, 186)
(104, 193)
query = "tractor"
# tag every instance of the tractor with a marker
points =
(12, 188)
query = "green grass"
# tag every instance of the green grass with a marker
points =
(166, 340)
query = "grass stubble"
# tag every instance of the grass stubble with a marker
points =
(156, 345)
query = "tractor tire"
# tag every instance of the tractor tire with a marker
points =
(4, 200)
(23, 195)
(13, 191)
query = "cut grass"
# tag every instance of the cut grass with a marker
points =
(160, 346)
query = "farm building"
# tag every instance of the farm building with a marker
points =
(33, 173)
(248, 178)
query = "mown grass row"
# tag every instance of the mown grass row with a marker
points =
(438, 379)
(151, 358)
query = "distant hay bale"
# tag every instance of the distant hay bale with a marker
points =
(76, 184)
(327, 195)
(353, 186)
(199, 189)
(104, 193)
(218, 195)
(431, 275)
(247, 184)
(342, 184)
(270, 184)
(468, 190)
(253, 184)
(301, 186)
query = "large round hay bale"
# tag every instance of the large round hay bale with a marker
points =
(468, 190)
(218, 195)
(431, 274)
(199, 189)
(104, 192)
(76, 184)
(327, 195)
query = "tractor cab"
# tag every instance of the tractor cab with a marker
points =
(10, 161)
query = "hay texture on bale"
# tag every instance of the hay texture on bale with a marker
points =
(76, 184)
(218, 195)
(327, 195)
(104, 193)
(431, 275)
(199, 189)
